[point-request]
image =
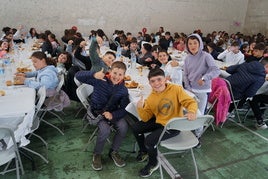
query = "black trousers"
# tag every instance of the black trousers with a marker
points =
(148, 143)
(255, 106)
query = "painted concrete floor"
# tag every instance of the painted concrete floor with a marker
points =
(234, 151)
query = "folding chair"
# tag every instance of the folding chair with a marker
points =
(78, 83)
(185, 140)
(233, 100)
(46, 108)
(83, 92)
(8, 154)
(41, 96)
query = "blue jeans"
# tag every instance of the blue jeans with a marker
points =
(104, 131)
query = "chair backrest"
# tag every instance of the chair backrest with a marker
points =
(41, 96)
(230, 89)
(78, 83)
(83, 92)
(183, 124)
(61, 79)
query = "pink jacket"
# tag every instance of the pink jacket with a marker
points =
(220, 93)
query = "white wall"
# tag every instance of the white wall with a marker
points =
(131, 15)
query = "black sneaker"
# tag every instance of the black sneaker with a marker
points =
(96, 162)
(118, 161)
(142, 156)
(148, 170)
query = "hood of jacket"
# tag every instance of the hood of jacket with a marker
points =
(201, 44)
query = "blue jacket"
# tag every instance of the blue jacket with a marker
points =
(47, 76)
(246, 78)
(103, 90)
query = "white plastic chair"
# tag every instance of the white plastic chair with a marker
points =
(185, 140)
(41, 96)
(45, 109)
(83, 92)
(8, 154)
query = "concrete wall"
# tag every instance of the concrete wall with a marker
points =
(257, 17)
(130, 15)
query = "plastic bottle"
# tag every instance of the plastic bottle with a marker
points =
(133, 60)
(118, 52)
(2, 75)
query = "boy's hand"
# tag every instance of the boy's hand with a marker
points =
(201, 82)
(140, 102)
(99, 75)
(191, 116)
(108, 115)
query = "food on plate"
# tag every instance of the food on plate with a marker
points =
(23, 69)
(132, 84)
(17, 82)
(127, 78)
(9, 83)
(2, 93)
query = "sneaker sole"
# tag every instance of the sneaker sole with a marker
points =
(151, 172)
(144, 159)
(96, 169)
(117, 163)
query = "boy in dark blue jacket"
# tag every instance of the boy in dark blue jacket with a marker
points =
(109, 98)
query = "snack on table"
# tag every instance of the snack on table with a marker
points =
(9, 83)
(132, 84)
(127, 78)
(17, 82)
(2, 93)
(23, 69)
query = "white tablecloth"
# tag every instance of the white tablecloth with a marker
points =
(18, 101)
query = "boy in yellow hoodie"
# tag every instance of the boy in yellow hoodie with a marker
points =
(165, 102)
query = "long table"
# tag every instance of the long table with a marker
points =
(17, 109)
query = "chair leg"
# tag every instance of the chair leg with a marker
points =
(90, 139)
(41, 156)
(39, 137)
(51, 112)
(195, 165)
(17, 168)
(52, 126)
(78, 112)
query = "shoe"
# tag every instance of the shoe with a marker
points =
(148, 170)
(118, 161)
(96, 162)
(231, 115)
(142, 156)
(261, 126)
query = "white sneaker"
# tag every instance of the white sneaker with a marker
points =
(230, 115)
(261, 126)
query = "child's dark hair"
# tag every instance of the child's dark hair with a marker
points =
(110, 53)
(155, 72)
(68, 63)
(119, 65)
(163, 51)
(41, 55)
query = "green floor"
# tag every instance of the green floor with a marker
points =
(229, 152)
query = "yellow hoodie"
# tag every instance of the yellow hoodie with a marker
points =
(167, 104)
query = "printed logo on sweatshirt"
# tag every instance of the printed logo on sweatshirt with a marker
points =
(165, 107)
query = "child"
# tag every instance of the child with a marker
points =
(109, 98)
(173, 71)
(96, 61)
(199, 70)
(165, 102)
(46, 74)
(64, 62)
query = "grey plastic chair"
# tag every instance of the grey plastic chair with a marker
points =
(8, 154)
(185, 140)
